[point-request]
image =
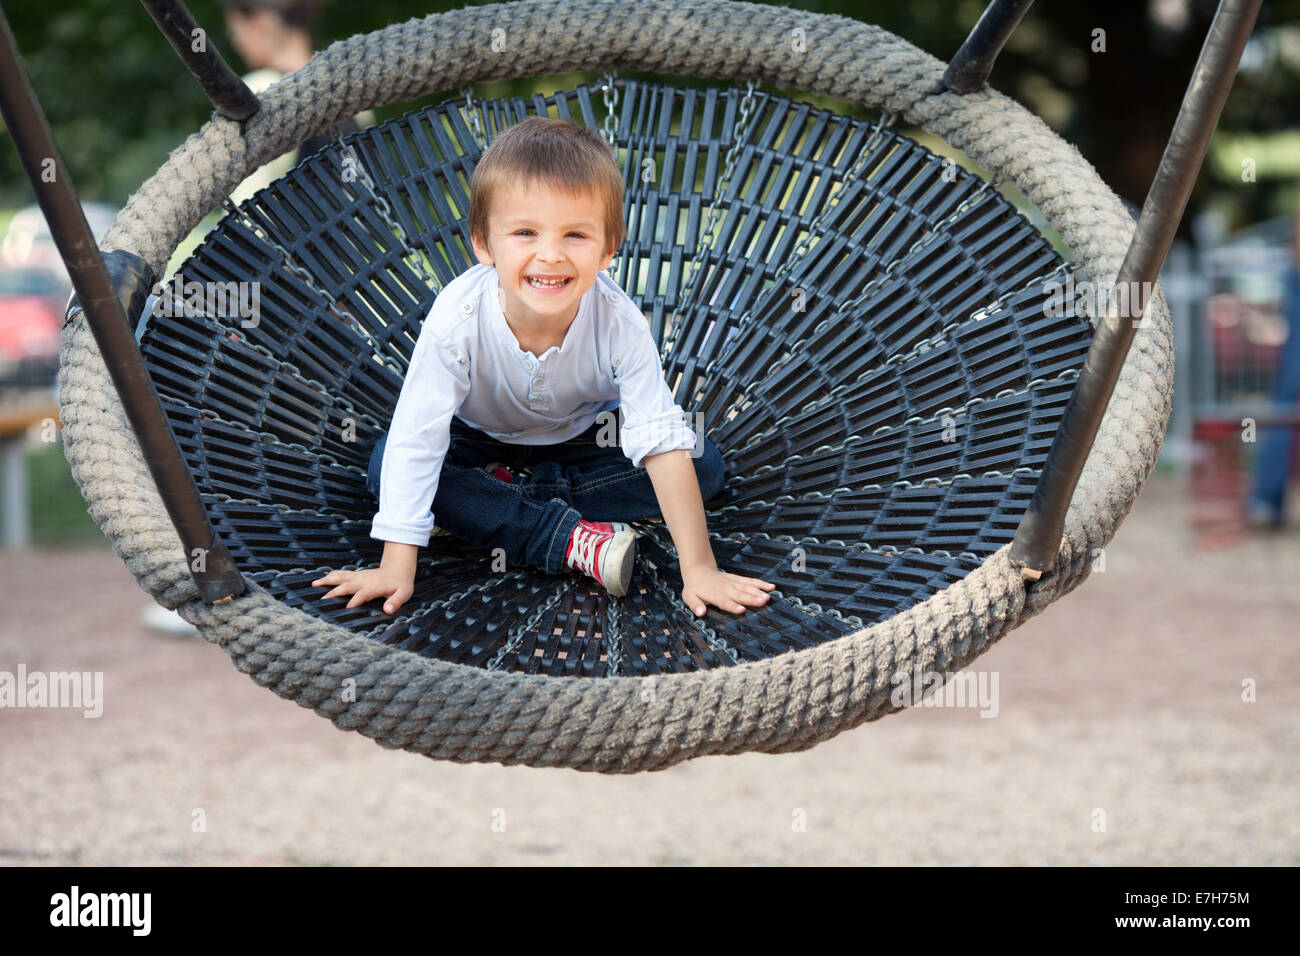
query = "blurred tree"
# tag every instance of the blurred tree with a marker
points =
(119, 101)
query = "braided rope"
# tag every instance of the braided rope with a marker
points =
(616, 724)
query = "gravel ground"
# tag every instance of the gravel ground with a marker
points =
(1121, 737)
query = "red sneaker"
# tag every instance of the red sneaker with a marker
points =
(605, 551)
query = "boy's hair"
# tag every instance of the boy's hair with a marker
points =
(295, 13)
(559, 152)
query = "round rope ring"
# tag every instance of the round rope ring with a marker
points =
(617, 724)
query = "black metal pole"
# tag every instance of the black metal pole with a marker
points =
(228, 93)
(1039, 534)
(971, 65)
(213, 570)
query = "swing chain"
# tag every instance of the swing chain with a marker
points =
(802, 247)
(476, 127)
(741, 135)
(715, 641)
(613, 636)
(413, 259)
(926, 240)
(610, 92)
(931, 234)
(479, 588)
(295, 268)
(804, 244)
(290, 263)
(529, 626)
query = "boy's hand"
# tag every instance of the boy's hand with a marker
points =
(393, 579)
(724, 590)
(673, 475)
(394, 583)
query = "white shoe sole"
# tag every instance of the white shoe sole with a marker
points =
(158, 618)
(618, 560)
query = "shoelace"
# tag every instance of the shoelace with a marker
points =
(585, 545)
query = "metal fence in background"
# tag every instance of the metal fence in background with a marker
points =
(1230, 330)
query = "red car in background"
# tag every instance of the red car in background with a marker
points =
(31, 312)
(34, 290)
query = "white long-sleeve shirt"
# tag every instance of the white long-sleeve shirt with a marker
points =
(468, 363)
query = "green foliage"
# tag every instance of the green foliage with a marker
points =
(58, 512)
(116, 97)
(119, 100)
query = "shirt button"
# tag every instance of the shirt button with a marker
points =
(467, 307)
(611, 296)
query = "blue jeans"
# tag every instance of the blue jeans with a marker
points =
(531, 517)
(1277, 444)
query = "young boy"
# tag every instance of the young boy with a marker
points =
(526, 361)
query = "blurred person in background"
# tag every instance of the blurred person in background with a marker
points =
(273, 37)
(1267, 505)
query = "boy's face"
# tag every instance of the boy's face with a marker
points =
(256, 35)
(547, 246)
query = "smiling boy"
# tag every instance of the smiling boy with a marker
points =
(521, 363)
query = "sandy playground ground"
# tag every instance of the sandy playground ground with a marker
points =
(1121, 704)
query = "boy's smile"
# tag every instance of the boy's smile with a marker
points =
(547, 246)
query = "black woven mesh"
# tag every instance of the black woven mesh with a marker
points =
(875, 454)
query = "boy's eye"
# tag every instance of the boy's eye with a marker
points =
(529, 232)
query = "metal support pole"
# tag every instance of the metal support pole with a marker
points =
(214, 572)
(972, 64)
(1184, 289)
(17, 503)
(1038, 537)
(228, 93)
